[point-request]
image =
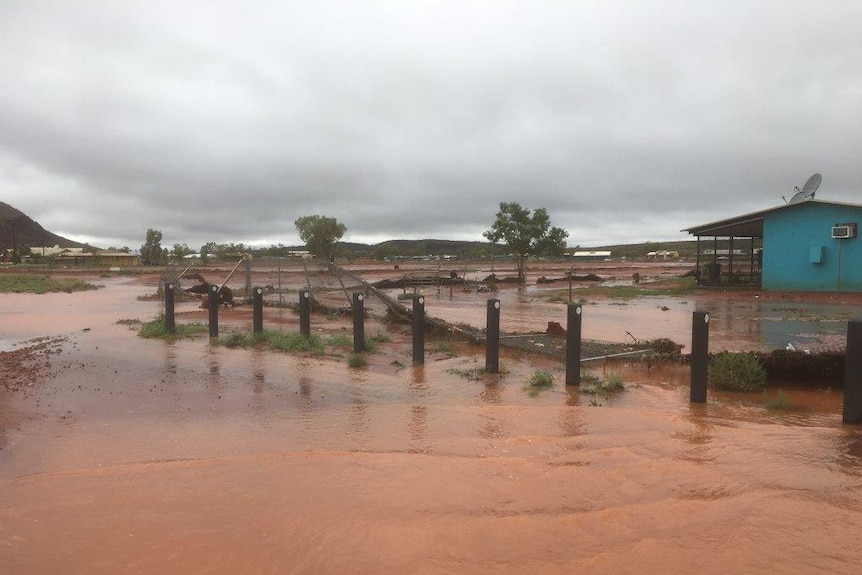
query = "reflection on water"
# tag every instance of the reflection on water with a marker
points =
(740, 323)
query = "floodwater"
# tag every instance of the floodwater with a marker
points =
(139, 456)
(741, 322)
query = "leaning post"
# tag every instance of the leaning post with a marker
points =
(305, 313)
(492, 349)
(418, 329)
(699, 355)
(170, 324)
(573, 344)
(853, 374)
(358, 322)
(257, 310)
(213, 309)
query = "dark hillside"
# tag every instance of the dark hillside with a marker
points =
(18, 230)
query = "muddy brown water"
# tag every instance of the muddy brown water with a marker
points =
(141, 456)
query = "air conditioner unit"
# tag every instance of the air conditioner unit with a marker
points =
(844, 231)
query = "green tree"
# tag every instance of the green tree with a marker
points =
(181, 250)
(526, 234)
(320, 234)
(151, 251)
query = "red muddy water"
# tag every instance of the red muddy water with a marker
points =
(126, 455)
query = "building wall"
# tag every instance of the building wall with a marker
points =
(795, 239)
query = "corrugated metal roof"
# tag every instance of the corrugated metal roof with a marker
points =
(751, 225)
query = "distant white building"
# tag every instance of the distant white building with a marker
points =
(595, 255)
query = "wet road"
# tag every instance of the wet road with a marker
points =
(140, 456)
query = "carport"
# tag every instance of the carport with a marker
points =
(729, 251)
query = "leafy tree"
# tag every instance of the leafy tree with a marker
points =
(526, 234)
(320, 234)
(207, 250)
(151, 251)
(181, 250)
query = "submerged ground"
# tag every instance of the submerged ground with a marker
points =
(127, 455)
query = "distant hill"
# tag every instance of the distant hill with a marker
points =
(464, 249)
(18, 230)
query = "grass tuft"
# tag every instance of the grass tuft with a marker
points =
(730, 371)
(40, 284)
(157, 329)
(357, 360)
(779, 402)
(594, 385)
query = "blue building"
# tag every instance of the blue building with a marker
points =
(810, 245)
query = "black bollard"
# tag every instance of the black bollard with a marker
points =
(418, 329)
(573, 344)
(305, 313)
(213, 309)
(358, 322)
(170, 325)
(699, 355)
(492, 350)
(853, 374)
(257, 310)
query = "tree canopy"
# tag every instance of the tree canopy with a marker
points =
(320, 234)
(526, 233)
(151, 251)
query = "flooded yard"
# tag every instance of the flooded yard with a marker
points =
(126, 455)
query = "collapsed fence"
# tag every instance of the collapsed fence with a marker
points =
(699, 358)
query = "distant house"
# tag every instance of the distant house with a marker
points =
(663, 255)
(810, 245)
(77, 256)
(594, 255)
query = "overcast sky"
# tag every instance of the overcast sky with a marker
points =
(225, 121)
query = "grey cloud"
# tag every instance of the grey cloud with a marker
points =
(627, 120)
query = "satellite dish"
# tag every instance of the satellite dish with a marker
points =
(807, 191)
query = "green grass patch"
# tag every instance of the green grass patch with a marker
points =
(340, 340)
(730, 371)
(443, 347)
(286, 342)
(779, 402)
(39, 284)
(540, 380)
(156, 329)
(357, 360)
(594, 385)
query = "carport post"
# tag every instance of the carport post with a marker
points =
(213, 309)
(492, 347)
(418, 329)
(573, 344)
(699, 355)
(257, 311)
(170, 326)
(853, 374)
(358, 322)
(305, 313)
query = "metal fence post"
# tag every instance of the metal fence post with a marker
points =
(853, 374)
(305, 313)
(699, 355)
(418, 329)
(170, 325)
(358, 322)
(492, 350)
(573, 344)
(257, 311)
(213, 310)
